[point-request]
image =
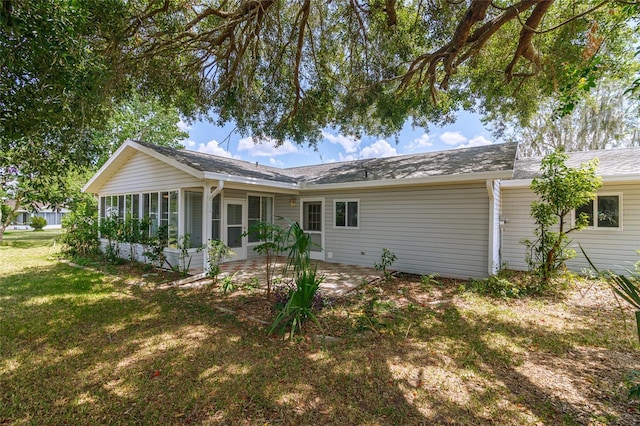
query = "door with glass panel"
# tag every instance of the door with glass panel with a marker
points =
(235, 227)
(312, 223)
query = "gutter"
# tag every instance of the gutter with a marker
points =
(526, 183)
(463, 177)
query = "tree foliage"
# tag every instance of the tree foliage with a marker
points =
(604, 118)
(138, 119)
(561, 190)
(287, 69)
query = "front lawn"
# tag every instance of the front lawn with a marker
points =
(82, 347)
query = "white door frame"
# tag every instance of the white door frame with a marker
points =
(240, 252)
(317, 255)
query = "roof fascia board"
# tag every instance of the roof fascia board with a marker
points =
(526, 183)
(251, 181)
(464, 177)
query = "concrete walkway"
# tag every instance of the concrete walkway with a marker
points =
(338, 280)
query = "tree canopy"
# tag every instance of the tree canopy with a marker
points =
(288, 69)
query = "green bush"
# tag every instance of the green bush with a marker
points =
(37, 223)
(509, 285)
(80, 231)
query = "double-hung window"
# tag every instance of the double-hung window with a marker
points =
(346, 213)
(605, 211)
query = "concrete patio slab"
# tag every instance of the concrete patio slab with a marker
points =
(339, 279)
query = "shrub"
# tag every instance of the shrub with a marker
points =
(80, 231)
(300, 305)
(217, 251)
(37, 223)
(386, 260)
(506, 285)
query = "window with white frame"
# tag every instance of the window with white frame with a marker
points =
(346, 213)
(260, 209)
(605, 211)
(159, 208)
(216, 218)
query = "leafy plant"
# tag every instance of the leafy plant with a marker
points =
(154, 248)
(184, 257)
(633, 384)
(37, 223)
(299, 306)
(80, 230)
(272, 239)
(300, 303)
(386, 260)
(217, 251)
(561, 190)
(426, 281)
(626, 288)
(298, 248)
(229, 283)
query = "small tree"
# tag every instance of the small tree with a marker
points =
(217, 251)
(271, 238)
(561, 190)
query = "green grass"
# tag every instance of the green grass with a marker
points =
(80, 347)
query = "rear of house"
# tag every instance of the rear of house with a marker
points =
(460, 213)
(438, 212)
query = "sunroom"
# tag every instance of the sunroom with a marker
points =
(183, 206)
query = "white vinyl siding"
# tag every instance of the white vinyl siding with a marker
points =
(143, 173)
(438, 229)
(611, 248)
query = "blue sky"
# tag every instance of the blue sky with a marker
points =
(206, 137)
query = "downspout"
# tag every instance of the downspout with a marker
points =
(208, 199)
(492, 226)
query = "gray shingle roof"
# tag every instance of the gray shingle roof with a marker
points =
(612, 162)
(223, 165)
(490, 158)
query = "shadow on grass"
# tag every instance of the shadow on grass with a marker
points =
(79, 349)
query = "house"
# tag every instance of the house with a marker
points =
(23, 216)
(460, 213)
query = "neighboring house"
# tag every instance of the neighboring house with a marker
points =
(24, 215)
(450, 212)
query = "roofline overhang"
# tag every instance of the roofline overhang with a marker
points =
(251, 181)
(429, 180)
(526, 183)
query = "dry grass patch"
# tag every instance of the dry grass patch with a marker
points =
(81, 347)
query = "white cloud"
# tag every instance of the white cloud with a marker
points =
(212, 147)
(275, 162)
(421, 142)
(188, 143)
(265, 148)
(183, 125)
(350, 157)
(453, 138)
(377, 149)
(476, 141)
(349, 143)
